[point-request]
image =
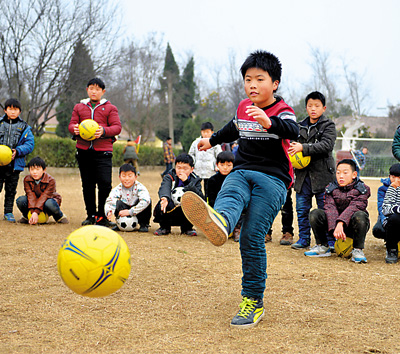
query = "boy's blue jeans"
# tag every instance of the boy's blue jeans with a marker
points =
(50, 207)
(303, 207)
(262, 195)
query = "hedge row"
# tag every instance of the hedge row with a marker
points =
(60, 152)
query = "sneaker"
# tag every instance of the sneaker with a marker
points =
(251, 312)
(318, 251)
(357, 256)
(143, 228)
(162, 232)
(268, 238)
(23, 220)
(301, 243)
(63, 220)
(103, 221)
(287, 239)
(9, 217)
(331, 244)
(90, 220)
(392, 256)
(190, 233)
(205, 218)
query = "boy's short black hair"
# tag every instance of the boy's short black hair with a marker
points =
(315, 95)
(207, 125)
(126, 167)
(98, 82)
(37, 162)
(395, 170)
(348, 162)
(13, 102)
(225, 156)
(185, 158)
(263, 60)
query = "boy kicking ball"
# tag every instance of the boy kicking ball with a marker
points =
(258, 182)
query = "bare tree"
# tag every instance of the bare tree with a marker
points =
(37, 42)
(234, 88)
(135, 80)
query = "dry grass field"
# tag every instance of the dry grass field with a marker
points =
(183, 292)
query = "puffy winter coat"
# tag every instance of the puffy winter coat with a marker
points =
(204, 161)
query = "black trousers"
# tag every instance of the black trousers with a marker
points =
(96, 171)
(357, 228)
(286, 214)
(9, 179)
(378, 230)
(143, 217)
(172, 217)
(392, 228)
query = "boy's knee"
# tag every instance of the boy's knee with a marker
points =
(360, 217)
(316, 215)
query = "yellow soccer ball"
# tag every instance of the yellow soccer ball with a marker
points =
(5, 155)
(87, 129)
(299, 161)
(43, 217)
(344, 248)
(94, 261)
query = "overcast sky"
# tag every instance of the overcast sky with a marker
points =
(364, 32)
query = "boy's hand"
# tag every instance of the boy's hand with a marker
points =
(34, 218)
(14, 153)
(76, 129)
(99, 132)
(204, 144)
(259, 115)
(395, 182)
(164, 203)
(124, 212)
(295, 148)
(339, 233)
(109, 214)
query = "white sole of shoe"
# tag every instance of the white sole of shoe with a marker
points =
(200, 215)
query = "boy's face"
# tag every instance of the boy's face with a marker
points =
(315, 109)
(183, 170)
(259, 87)
(36, 172)
(345, 175)
(12, 112)
(206, 133)
(127, 178)
(95, 93)
(225, 167)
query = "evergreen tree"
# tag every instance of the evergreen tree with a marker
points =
(81, 71)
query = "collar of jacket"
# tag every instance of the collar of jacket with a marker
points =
(45, 178)
(357, 184)
(305, 122)
(87, 100)
(16, 119)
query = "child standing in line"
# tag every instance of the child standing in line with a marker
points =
(316, 139)
(378, 230)
(261, 175)
(175, 183)
(205, 161)
(41, 195)
(344, 215)
(129, 198)
(17, 135)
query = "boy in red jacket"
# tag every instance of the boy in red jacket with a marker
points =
(345, 213)
(95, 157)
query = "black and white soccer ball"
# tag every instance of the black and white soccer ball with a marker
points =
(176, 195)
(127, 223)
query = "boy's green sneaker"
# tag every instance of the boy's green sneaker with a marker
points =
(205, 218)
(251, 312)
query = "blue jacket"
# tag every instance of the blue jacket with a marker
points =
(24, 146)
(381, 195)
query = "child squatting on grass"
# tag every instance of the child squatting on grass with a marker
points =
(261, 175)
(344, 215)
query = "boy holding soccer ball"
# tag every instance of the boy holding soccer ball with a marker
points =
(344, 215)
(41, 195)
(316, 139)
(129, 198)
(168, 211)
(260, 177)
(17, 135)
